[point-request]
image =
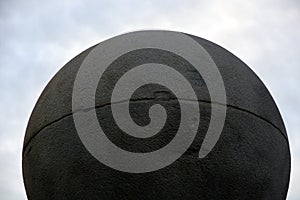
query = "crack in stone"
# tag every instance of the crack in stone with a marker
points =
(148, 99)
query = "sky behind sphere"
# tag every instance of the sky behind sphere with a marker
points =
(37, 39)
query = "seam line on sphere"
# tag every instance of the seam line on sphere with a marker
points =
(147, 99)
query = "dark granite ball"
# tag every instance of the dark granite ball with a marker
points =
(251, 159)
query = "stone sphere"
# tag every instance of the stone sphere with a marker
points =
(236, 147)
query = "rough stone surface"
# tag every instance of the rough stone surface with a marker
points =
(250, 161)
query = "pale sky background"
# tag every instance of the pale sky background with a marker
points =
(37, 39)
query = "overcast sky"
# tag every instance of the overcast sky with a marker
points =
(37, 39)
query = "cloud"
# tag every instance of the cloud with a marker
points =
(39, 38)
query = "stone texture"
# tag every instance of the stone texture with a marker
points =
(250, 161)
